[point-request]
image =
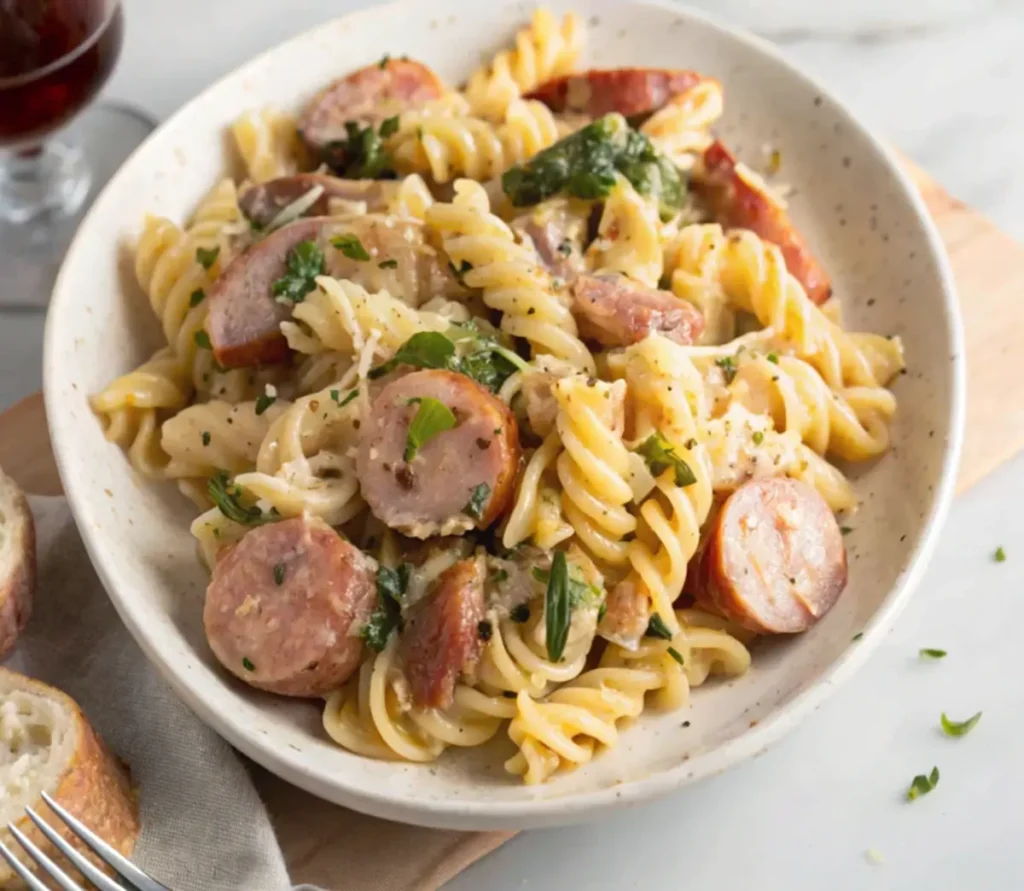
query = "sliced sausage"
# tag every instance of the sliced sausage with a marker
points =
(558, 231)
(458, 480)
(262, 202)
(775, 561)
(366, 97)
(617, 311)
(443, 637)
(627, 614)
(285, 606)
(741, 202)
(244, 321)
(632, 92)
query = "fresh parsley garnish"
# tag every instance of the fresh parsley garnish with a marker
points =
(278, 574)
(846, 530)
(1000, 555)
(388, 264)
(477, 501)
(520, 613)
(341, 403)
(959, 728)
(387, 615)
(758, 437)
(773, 358)
(929, 653)
(196, 297)
(202, 340)
(857, 636)
(206, 257)
(351, 247)
(557, 608)
(432, 418)
(247, 664)
(660, 455)
(427, 349)
(226, 497)
(363, 154)
(656, 627)
(922, 785)
(484, 630)
(728, 366)
(304, 263)
(675, 654)
(264, 401)
(389, 127)
(206, 437)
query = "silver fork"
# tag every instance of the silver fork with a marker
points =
(138, 880)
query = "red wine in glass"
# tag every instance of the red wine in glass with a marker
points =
(55, 56)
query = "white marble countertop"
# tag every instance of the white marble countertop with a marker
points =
(942, 80)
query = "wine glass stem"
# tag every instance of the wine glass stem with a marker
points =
(51, 178)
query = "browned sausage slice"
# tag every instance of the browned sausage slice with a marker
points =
(632, 92)
(367, 96)
(285, 605)
(262, 202)
(775, 562)
(244, 321)
(617, 311)
(443, 637)
(458, 480)
(739, 203)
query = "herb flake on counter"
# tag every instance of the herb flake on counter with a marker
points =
(1000, 555)
(660, 455)
(477, 500)
(922, 785)
(959, 728)
(304, 263)
(351, 247)
(929, 653)
(557, 608)
(432, 418)
(857, 636)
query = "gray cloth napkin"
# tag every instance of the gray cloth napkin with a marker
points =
(204, 827)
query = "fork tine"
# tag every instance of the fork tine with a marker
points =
(113, 858)
(81, 864)
(51, 868)
(30, 880)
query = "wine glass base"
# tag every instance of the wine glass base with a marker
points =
(37, 226)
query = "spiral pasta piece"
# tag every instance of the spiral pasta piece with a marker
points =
(682, 128)
(628, 236)
(508, 274)
(594, 466)
(545, 49)
(268, 142)
(412, 198)
(537, 509)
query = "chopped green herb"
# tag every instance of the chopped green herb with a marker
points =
(773, 358)
(460, 270)
(959, 728)
(341, 403)
(728, 366)
(557, 608)
(922, 785)
(432, 417)
(477, 500)
(656, 627)
(351, 247)
(602, 611)
(520, 613)
(202, 340)
(857, 636)
(247, 664)
(362, 154)
(508, 694)
(206, 257)
(263, 402)
(278, 574)
(660, 455)
(225, 497)
(675, 654)
(197, 297)
(499, 576)
(388, 264)
(206, 437)
(932, 654)
(846, 530)
(389, 127)
(383, 63)
(1000, 555)
(758, 437)
(484, 630)
(387, 615)
(427, 349)
(304, 263)
(565, 247)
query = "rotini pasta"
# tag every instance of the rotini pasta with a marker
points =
(523, 391)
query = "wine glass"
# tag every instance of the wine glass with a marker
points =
(55, 55)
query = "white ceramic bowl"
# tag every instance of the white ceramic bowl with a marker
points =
(861, 215)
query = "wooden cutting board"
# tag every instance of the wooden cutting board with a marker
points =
(989, 268)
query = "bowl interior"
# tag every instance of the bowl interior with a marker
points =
(848, 199)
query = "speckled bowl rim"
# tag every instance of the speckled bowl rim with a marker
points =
(579, 806)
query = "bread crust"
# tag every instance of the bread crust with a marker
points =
(17, 564)
(94, 786)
